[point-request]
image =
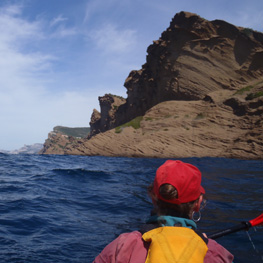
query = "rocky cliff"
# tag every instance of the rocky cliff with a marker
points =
(198, 94)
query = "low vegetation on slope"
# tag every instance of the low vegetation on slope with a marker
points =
(74, 132)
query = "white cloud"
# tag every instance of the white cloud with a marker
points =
(111, 39)
(10, 10)
(62, 32)
(19, 67)
(105, 29)
(30, 103)
(14, 29)
(60, 29)
(58, 20)
(94, 8)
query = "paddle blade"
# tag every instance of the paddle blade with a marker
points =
(257, 221)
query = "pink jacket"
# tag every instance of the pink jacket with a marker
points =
(130, 248)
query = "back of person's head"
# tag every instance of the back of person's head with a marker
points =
(176, 189)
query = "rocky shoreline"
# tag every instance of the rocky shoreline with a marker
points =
(199, 94)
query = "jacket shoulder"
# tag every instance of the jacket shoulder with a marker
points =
(127, 247)
(217, 253)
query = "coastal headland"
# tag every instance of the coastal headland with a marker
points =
(200, 93)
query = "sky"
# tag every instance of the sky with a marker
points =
(59, 56)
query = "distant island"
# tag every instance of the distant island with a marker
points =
(26, 149)
(200, 93)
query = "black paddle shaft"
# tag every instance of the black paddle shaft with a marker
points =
(221, 233)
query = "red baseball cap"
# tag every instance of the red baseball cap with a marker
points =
(185, 177)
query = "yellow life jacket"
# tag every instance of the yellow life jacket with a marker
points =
(174, 245)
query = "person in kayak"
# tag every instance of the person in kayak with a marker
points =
(170, 234)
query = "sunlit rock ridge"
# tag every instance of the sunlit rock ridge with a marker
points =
(200, 93)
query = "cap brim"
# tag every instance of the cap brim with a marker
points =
(202, 190)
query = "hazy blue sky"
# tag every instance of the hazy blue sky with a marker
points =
(58, 56)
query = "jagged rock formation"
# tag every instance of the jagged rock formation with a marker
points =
(210, 71)
(109, 105)
(192, 58)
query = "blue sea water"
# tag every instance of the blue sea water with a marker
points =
(67, 208)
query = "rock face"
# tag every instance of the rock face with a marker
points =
(200, 94)
(192, 58)
(62, 136)
(109, 105)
